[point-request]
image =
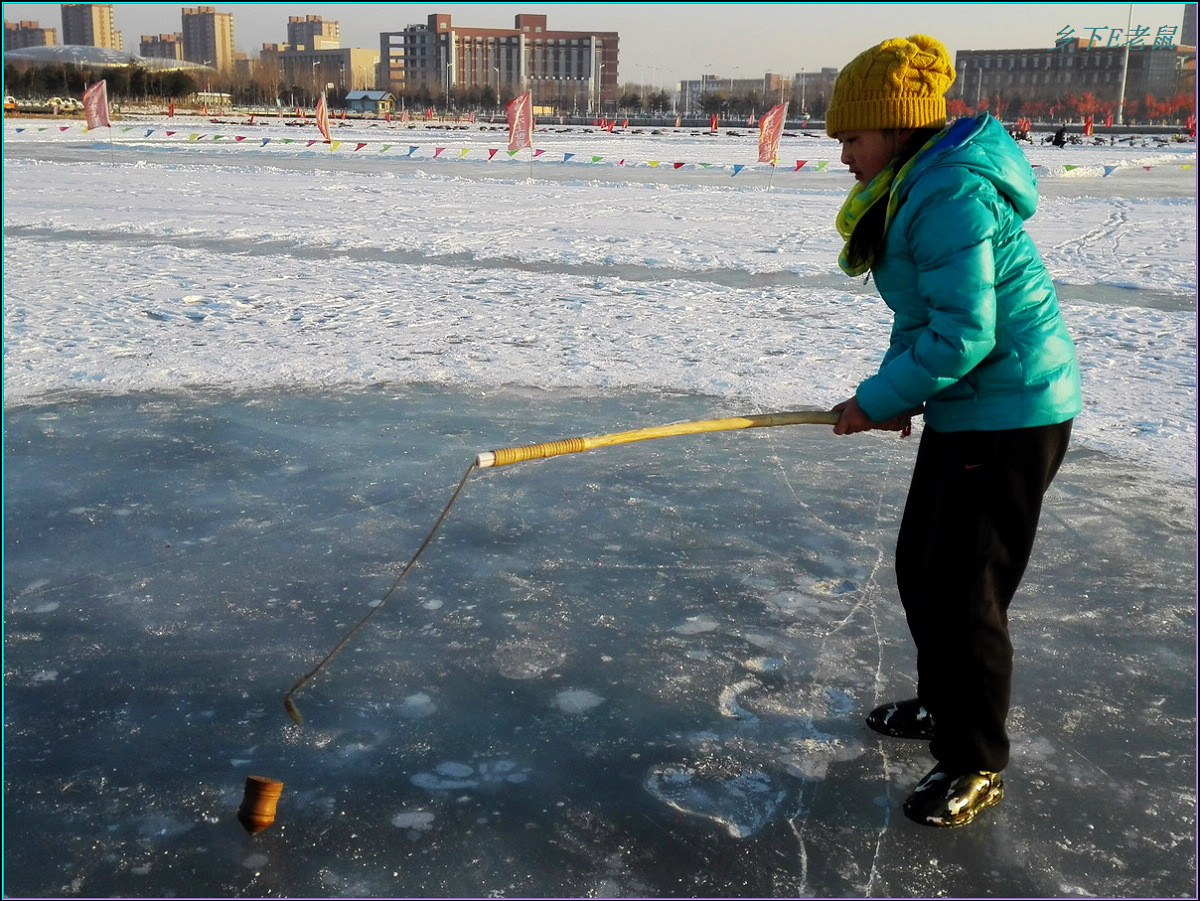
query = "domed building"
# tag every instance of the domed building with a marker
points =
(83, 56)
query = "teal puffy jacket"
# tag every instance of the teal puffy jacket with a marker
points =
(977, 337)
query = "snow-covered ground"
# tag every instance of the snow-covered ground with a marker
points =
(165, 255)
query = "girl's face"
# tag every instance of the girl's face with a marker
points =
(866, 152)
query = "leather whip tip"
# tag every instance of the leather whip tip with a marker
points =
(259, 800)
(293, 711)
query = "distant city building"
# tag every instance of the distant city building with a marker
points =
(813, 90)
(313, 33)
(758, 93)
(312, 71)
(208, 37)
(18, 35)
(1050, 74)
(82, 56)
(313, 60)
(90, 24)
(161, 46)
(569, 70)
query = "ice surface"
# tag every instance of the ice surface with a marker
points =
(549, 721)
(638, 671)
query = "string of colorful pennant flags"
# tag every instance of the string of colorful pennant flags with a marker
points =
(422, 151)
(519, 114)
(435, 151)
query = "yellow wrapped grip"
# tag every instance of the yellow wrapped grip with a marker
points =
(505, 456)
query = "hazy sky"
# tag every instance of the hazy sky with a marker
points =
(664, 42)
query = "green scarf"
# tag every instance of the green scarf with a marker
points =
(863, 197)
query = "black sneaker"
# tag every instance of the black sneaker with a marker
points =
(944, 799)
(902, 719)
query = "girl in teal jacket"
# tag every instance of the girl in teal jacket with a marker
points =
(980, 348)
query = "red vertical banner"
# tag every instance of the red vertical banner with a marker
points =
(95, 105)
(770, 127)
(1089, 125)
(323, 118)
(520, 122)
(712, 123)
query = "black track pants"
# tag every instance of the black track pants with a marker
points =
(968, 529)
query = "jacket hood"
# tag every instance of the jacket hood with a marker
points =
(985, 148)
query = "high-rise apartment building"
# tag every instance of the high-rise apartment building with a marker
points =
(571, 70)
(162, 46)
(27, 34)
(90, 24)
(208, 37)
(313, 33)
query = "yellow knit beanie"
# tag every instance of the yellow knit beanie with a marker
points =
(897, 84)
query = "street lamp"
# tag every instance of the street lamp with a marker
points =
(704, 79)
(597, 79)
(655, 75)
(496, 69)
(1125, 70)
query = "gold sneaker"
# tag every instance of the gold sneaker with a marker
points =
(943, 799)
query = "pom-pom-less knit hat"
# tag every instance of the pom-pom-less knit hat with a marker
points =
(897, 84)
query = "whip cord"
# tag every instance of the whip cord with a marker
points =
(508, 455)
(288, 704)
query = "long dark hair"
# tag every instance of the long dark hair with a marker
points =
(866, 242)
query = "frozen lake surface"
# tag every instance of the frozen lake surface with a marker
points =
(638, 671)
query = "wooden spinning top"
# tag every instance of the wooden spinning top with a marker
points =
(258, 803)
